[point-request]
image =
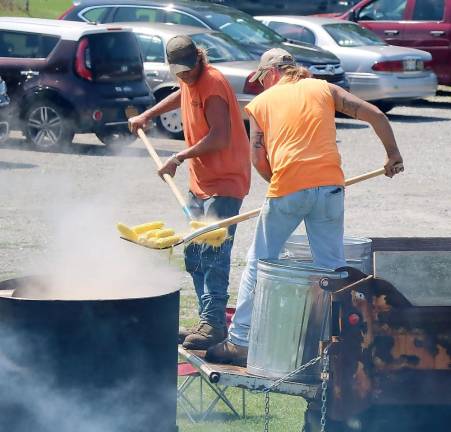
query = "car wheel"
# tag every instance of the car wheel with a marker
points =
(170, 123)
(47, 126)
(385, 107)
(116, 139)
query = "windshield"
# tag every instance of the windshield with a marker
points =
(242, 28)
(352, 35)
(220, 48)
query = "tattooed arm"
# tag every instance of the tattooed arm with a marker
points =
(355, 107)
(258, 151)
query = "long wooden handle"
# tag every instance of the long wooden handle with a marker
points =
(253, 213)
(167, 178)
(363, 177)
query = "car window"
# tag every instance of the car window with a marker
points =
(428, 10)
(174, 17)
(241, 27)
(95, 14)
(144, 14)
(113, 57)
(383, 10)
(26, 45)
(352, 35)
(293, 31)
(220, 47)
(152, 48)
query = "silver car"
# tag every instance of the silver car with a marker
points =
(223, 53)
(377, 72)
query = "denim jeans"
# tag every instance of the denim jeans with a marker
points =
(210, 267)
(322, 210)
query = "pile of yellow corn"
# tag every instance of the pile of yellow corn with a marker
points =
(151, 234)
(156, 236)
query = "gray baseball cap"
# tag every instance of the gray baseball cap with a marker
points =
(272, 58)
(182, 54)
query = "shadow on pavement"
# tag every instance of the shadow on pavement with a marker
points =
(407, 118)
(423, 103)
(13, 165)
(84, 149)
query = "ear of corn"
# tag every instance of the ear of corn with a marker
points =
(139, 229)
(213, 237)
(160, 243)
(164, 233)
(127, 232)
(197, 224)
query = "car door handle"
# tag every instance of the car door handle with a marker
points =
(29, 73)
(437, 32)
(391, 32)
(152, 74)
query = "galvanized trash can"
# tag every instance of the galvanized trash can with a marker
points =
(358, 251)
(288, 319)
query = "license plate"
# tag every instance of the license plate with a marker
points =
(413, 65)
(131, 111)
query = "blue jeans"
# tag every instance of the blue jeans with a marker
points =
(210, 267)
(322, 210)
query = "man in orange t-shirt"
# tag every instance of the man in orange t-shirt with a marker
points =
(219, 172)
(293, 141)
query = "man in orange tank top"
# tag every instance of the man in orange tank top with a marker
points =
(293, 144)
(219, 173)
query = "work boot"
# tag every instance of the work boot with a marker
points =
(228, 353)
(184, 332)
(204, 336)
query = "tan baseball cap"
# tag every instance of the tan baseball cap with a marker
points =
(181, 53)
(272, 58)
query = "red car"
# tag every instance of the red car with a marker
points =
(422, 24)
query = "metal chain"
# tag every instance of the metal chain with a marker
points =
(280, 381)
(324, 385)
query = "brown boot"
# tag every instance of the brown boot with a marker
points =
(184, 332)
(228, 353)
(204, 336)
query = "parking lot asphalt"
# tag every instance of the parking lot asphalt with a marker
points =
(72, 199)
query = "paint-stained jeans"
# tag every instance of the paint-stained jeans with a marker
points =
(210, 267)
(322, 210)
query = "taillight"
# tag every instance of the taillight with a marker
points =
(83, 60)
(389, 66)
(428, 64)
(254, 88)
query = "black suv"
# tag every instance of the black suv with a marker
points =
(254, 36)
(65, 78)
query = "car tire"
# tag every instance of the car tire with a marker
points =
(116, 139)
(170, 123)
(48, 126)
(385, 107)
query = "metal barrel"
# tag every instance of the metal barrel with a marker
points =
(358, 251)
(289, 317)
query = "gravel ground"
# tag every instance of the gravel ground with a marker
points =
(74, 198)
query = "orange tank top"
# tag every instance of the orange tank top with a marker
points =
(298, 123)
(225, 172)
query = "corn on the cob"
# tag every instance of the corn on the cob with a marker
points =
(213, 237)
(151, 233)
(140, 229)
(127, 232)
(164, 233)
(160, 243)
(197, 224)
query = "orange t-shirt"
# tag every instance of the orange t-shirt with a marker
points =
(226, 172)
(298, 123)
